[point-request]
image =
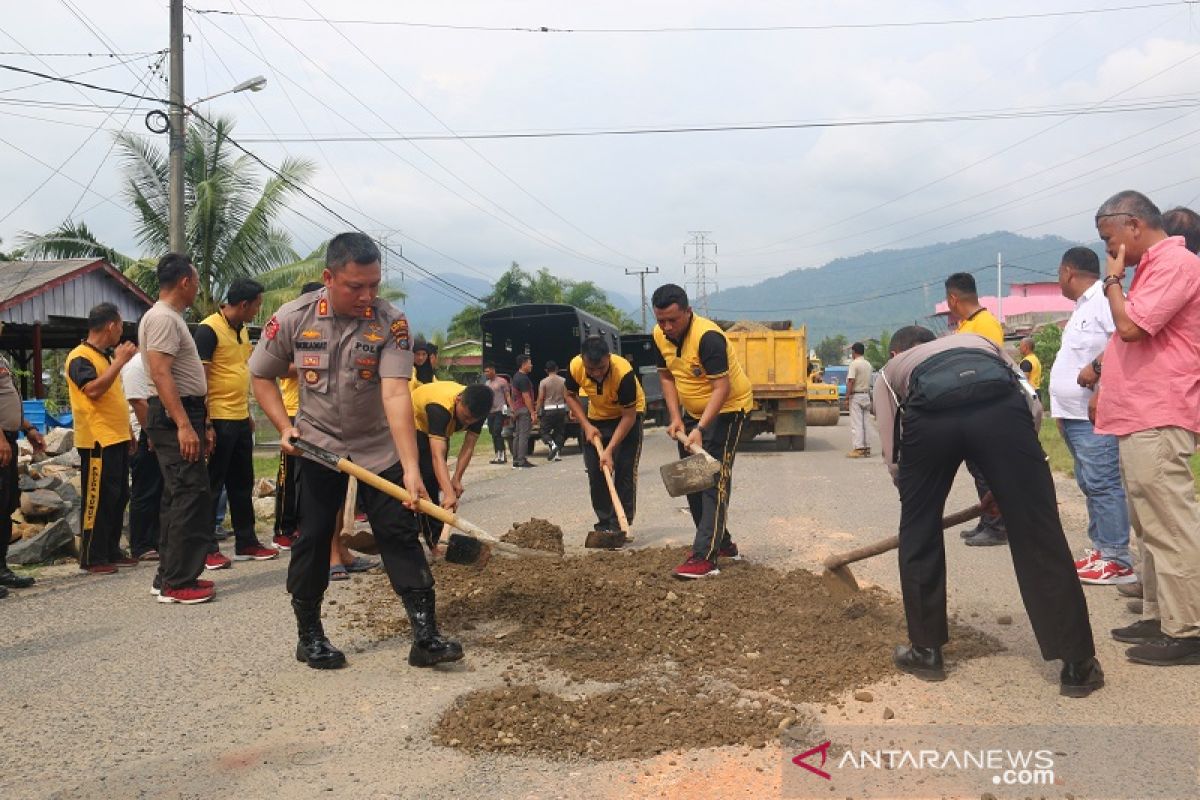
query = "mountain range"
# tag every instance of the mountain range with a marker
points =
(859, 296)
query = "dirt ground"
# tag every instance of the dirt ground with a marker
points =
(652, 663)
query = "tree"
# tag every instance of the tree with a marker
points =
(516, 286)
(879, 350)
(832, 349)
(230, 215)
(1046, 344)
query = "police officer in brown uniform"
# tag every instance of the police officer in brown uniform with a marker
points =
(12, 419)
(354, 357)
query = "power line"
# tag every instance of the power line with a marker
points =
(873, 122)
(142, 54)
(702, 29)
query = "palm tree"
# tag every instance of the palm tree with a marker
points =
(229, 223)
(282, 284)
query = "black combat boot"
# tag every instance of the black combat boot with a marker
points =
(923, 662)
(429, 647)
(313, 648)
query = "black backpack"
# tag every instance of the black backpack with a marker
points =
(954, 378)
(960, 377)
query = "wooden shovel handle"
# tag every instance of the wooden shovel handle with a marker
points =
(838, 560)
(694, 449)
(622, 520)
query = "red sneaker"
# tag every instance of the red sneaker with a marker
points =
(1105, 572)
(188, 595)
(156, 589)
(149, 555)
(729, 551)
(99, 569)
(126, 561)
(254, 553)
(216, 561)
(360, 517)
(283, 541)
(696, 567)
(1088, 558)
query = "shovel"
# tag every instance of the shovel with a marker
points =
(837, 575)
(695, 473)
(609, 540)
(468, 549)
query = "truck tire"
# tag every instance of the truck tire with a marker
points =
(789, 443)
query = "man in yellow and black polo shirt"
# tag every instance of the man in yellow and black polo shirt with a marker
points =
(440, 409)
(102, 436)
(287, 524)
(224, 347)
(616, 407)
(1031, 365)
(701, 372)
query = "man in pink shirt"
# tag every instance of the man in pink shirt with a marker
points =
(1150, 400)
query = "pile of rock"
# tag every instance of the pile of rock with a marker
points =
(47, 522)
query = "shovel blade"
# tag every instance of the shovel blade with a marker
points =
(692, 474)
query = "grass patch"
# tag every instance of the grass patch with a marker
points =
(1060, 456)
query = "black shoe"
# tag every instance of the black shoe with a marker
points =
(1080, 678)
(986, 538)
(1167, 651)
(923, 662)
(1143, 631)
(3, 592)
(13, 580)
(429, 647)
(1130, 589)
(313, 648)
(522, 465)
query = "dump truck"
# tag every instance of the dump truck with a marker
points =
(775, 359)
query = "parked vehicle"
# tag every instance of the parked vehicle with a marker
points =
(776, 361)
(639, 350)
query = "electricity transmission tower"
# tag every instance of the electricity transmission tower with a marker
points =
(697, 269)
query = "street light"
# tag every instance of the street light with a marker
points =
(255, 84)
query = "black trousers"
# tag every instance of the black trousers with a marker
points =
(10, 497)
(495, 424)
(999, 438)
(554, 426)
(322, 492)
(431, 529)
(145, 498)
(710, 508)
(231, 466)
(989, 522)
(286, 520)
(186, 513)
(104, 477)
(625, 469)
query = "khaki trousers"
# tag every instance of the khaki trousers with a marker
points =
(1164, 516)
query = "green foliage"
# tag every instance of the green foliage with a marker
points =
(516, 286)
(878, 350)
(1046, 344)
(229, 224)
(832, 349)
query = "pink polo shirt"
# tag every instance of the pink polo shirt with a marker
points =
(1155, 383)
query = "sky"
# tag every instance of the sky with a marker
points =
(590, 207)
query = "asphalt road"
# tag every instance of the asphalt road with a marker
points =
(108, 693)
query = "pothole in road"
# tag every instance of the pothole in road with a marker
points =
(720, 661)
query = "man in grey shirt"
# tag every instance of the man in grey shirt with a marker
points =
(177, 424)
(939, 402)
(552, 408)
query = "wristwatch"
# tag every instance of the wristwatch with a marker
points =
(1112, 280)
(1096, 365)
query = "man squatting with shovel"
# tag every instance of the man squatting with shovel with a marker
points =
(616, 408)
(700, 370)
(354, 357)
(440, 408)
(940, 402)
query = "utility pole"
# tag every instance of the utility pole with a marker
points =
(642, 273)
(178, 124)
(1000, 287)
(700, 264)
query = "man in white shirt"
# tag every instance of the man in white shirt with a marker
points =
(145, 483)
(1097, 467)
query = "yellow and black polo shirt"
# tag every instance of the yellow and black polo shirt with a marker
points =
(105, 420)
(703, 353)
(290, 389)
(619, 390)
(433, 409)
(225, 350)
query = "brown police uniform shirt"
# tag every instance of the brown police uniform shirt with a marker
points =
(340, 362)
(163, 330)
(11, 412)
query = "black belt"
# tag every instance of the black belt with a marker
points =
(190, 402)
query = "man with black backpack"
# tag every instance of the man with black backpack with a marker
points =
(940, 402)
